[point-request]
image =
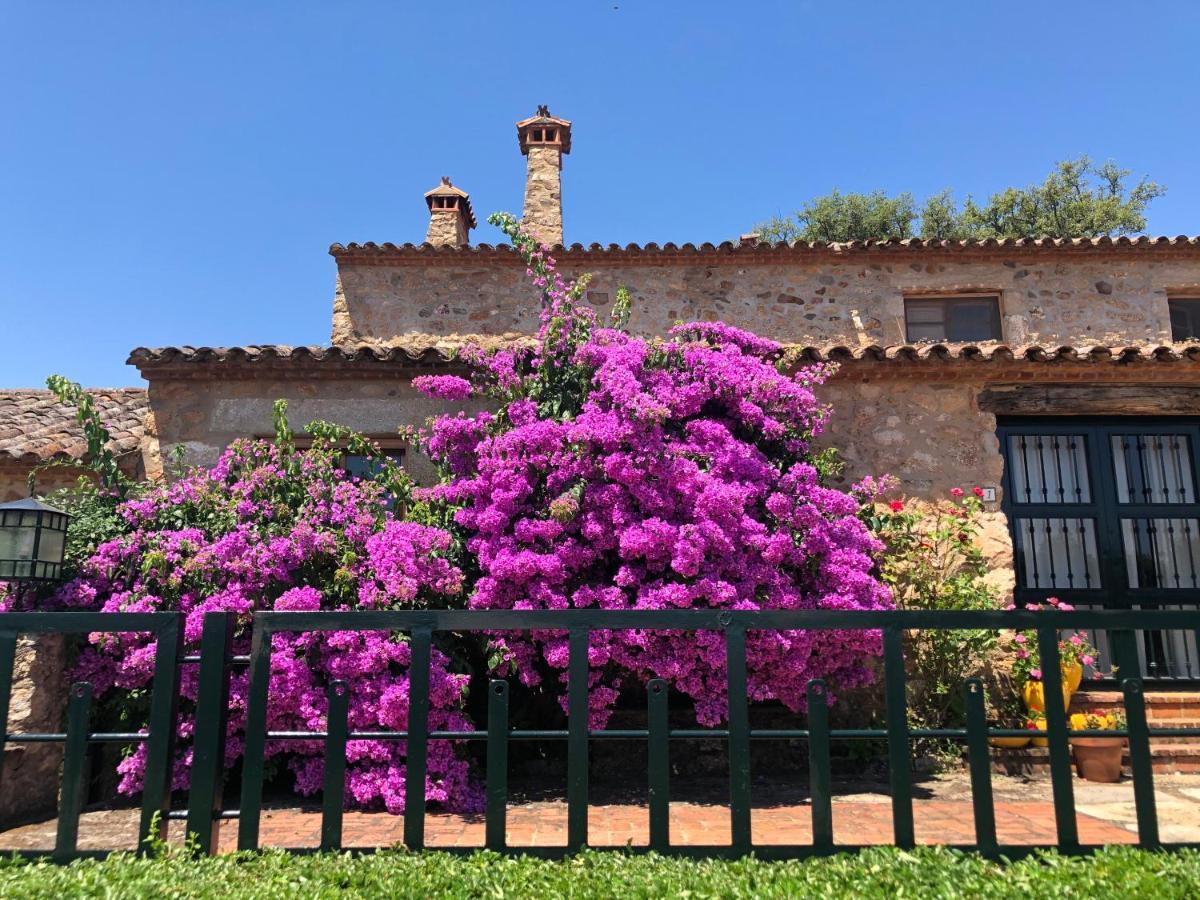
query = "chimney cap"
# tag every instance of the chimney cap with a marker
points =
(541, 118)
(446, 189)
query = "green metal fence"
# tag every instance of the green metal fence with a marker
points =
(167, 629)
(204, 811)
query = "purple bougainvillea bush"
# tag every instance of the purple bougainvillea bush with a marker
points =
(612, 472)
(627, 473)
(271, 527)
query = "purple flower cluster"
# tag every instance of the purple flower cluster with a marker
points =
(272, 529)
(682, 480)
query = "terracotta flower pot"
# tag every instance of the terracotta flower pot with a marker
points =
(1098, 758)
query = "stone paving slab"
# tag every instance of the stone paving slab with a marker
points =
(544, 824)
(943, 814)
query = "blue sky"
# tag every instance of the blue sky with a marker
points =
(173, 173)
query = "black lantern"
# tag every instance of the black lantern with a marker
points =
(33, 539)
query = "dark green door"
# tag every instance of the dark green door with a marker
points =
(1105, 513)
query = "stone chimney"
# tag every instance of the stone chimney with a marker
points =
(450, 215)
(544, 140)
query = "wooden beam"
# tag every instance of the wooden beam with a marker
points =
(1090, 399)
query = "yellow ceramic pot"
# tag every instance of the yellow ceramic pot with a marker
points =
(1009, 743)
(1040, 741)
(1035, 696)
(1072, 677)
(1034, 693)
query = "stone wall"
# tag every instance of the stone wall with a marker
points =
(207, 418)
(14, 480)
(543, 213)
(831, 298)
(930, 435)
(14, 474)
(30, 771)
(446, 228)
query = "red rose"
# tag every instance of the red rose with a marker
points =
(977, 491)
(896, 505)
(956, 492)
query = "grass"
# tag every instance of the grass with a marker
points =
(890, 873)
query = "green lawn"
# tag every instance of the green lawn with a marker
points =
(925, 873)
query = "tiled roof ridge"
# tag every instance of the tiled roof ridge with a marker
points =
(36, 427)
(428, 348)
(46, 392)
(781, 249)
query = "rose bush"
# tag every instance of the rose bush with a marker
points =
(933, 561)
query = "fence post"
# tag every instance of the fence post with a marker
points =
(1056, 733)
(208, 748)
(8, 658)
(333, 795)
(255, 744)
(1141, 762)
(74, 790)
(160, 744)
(659, 764)
(899, 763)
(739, 738)
(496, 813)
(417, 745)
(980, 759)
(578, 709)
(820, 776)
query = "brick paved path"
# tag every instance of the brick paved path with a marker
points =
(544, 824)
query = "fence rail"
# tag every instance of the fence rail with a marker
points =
(204, 813)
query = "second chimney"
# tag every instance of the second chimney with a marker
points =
(450, 215)
(544, 140)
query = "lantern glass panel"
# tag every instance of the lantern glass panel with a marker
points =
(17, 542)
(50, 547)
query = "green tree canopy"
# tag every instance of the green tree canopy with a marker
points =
(1077, 199)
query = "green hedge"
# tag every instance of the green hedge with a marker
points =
(924, 873)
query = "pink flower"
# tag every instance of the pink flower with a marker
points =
(956, 492)
(1087, 660)
(443, 387)
(1020, 639)
(1035, 674)
(977, 491)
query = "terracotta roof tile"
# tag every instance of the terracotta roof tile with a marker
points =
(780, 251)
(431, 349)
(35, 427)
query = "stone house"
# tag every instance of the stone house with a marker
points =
(1061, 376)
